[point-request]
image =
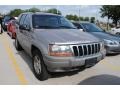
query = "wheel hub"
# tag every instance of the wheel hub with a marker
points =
(37, 64)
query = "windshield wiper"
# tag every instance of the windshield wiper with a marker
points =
(53, 27)
(46, 27)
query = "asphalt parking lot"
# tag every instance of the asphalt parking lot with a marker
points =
(16, 68)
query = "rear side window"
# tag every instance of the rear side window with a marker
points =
(6, 18)
(22, 19)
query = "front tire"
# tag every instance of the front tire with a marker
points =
(17, 45)
(1, 31)
(39, 67)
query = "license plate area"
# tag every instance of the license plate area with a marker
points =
(90, 62)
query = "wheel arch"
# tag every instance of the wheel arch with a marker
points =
(33, 47)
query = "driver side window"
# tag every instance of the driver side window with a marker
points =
(27, 21)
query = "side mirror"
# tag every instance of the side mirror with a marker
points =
(81, 30)
(24, 27)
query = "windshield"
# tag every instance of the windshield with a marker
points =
(51, 22)
(89, 27)
(6, 18)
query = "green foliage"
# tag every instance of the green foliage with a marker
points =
(76, 18)
(92, 19)
(72, 17)
(86, 19)
(112, 12)
(32, 10)
(54, 11)
(81, 18)
(15, 12)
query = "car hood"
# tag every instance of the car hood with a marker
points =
(67, 36)
(104, 35)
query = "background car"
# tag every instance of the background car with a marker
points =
(5, 22)
(0, 29)
(115, 31)
(11, 29)
(112, 42)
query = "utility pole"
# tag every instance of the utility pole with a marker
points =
(79, 14)
(57, 9)
(108, 23)
(108, 20)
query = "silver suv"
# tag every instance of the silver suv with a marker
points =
(55, 44)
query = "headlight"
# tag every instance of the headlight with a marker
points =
(60, 50)
(111, 42)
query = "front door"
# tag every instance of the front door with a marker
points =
(20, 34)
(27, 35)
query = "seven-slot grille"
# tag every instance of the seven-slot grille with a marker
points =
(86, 49)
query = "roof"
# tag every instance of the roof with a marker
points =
(41, 13)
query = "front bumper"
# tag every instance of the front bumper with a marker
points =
(112, 49)
(62, 64)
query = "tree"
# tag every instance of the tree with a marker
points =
(86, 19)
(106, 12)
(15, 12)
(81, 18)
(111, 12)
(72, 17)
(76, 18)
(32, 10)
(92, 19)
(54, 11)
(69, 17)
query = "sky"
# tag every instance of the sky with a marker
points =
(83, 10)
